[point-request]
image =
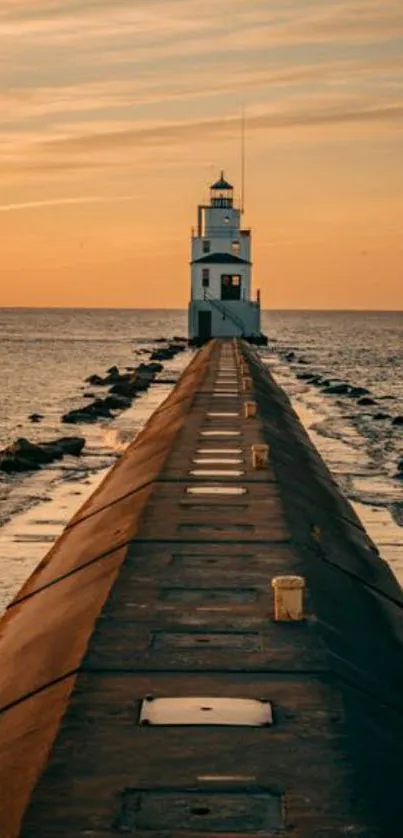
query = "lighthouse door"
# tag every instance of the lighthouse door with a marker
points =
(204, 325)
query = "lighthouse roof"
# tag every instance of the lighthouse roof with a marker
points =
(222, 183)
(221, 259)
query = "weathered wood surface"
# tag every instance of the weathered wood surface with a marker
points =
(154, 591)
(45, 632)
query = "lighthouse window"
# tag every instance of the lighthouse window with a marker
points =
(205, 277)
(206, 246)
(231, 286)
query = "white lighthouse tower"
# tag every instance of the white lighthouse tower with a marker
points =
(221, 268)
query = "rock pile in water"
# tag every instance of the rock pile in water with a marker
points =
(336, 387)
(23, 455)
(123, 387)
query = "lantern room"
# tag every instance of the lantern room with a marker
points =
(222, 193)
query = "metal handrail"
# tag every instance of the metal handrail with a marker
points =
(224, 310)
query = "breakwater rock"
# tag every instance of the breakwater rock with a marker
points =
(123, 387)
(23, 455)
(167, 352)
(89, 413)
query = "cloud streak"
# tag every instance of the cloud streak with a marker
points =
(101, 99)
(100, 86)
(57, 202)
(211, 81)
(305, 114)
(196, 26)
(116, 147)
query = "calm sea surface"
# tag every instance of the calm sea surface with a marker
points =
(45, 355)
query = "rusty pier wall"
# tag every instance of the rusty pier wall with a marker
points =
(160, 587)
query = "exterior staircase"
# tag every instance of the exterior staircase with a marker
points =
(225, 311)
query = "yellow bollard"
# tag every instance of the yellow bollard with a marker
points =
(250, 409)
(288, 598)
(260, 456)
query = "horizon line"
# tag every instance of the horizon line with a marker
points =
(184, 309)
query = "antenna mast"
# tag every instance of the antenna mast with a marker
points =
(243, 160)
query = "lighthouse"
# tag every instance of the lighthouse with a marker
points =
(221, 303)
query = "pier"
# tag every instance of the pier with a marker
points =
(149, 683)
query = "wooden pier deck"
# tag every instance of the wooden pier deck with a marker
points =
(161, 588)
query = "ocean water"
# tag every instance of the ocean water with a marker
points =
(364, 349)
(45, 356)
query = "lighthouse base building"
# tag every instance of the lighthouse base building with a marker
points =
(221, 305)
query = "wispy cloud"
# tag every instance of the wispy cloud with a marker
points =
(199, 25)
(90, 23)
(107, 86)
(210, 81)
(161, 66)
(298, 113)
(102, 98)
(56, 202)
(76, 149)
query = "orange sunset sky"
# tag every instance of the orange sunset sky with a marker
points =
(117, 114)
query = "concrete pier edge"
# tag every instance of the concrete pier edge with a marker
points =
(357, 600)
(45, 630)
